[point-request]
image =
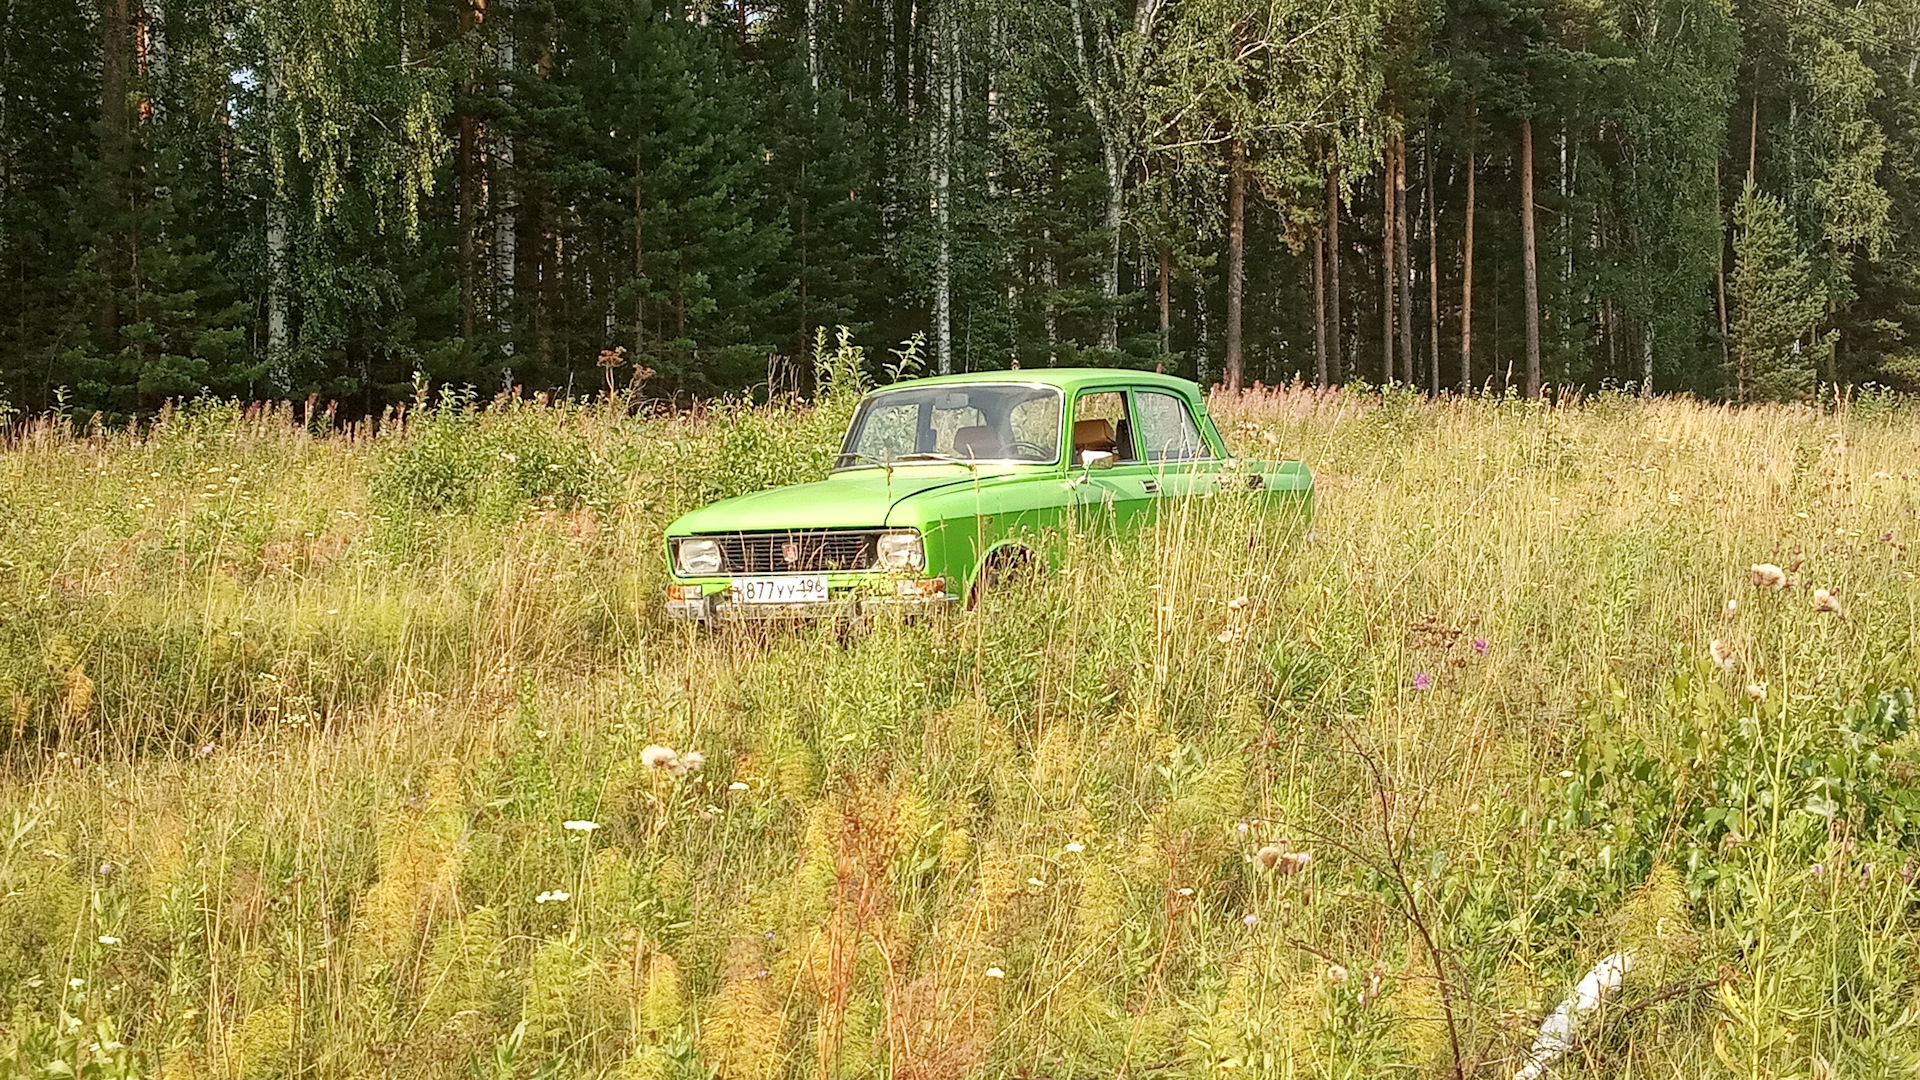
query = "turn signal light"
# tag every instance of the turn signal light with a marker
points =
(683, 592)
(932, 586)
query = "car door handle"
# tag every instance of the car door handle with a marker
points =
(1152, 486)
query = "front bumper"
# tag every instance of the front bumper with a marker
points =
(719, 605)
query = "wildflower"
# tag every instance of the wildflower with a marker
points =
(1241, 827)
(1422, 681)
(1817, 870)
(1824, 601)
(1036, 883)
(1756, 691)
(1480, 645)
(553, 896)
(690, 762)
(1296, 860)
(1732, 608)
(108, 939)
(76, 983)
(737, 786)
(1185, 892)
(1250, 920)
(1076, 847)
(1336, 974)
(656, 756)
(1229, 636)
(580, 826)
(1767, 576)
(1722, 654)
(206, 750)
(1238, 603)
(995, 973)
(1270, 855)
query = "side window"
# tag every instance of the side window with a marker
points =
(1101, 422)
(1167, 428)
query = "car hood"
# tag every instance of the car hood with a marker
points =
(856, 498)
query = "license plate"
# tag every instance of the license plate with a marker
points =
(797, 589)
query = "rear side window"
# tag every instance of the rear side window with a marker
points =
(1167, 430)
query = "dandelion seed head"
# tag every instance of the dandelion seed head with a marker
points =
(656, 756)
(1767, 576)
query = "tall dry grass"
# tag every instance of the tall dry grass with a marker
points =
(296, 721)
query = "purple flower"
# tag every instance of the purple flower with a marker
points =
(1251, 919)
(1818, 869)
(1422, 681)
(1480, 645)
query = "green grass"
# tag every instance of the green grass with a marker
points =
(292, 723)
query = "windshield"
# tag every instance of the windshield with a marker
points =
(993, 422)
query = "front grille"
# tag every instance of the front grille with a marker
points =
(813, 550)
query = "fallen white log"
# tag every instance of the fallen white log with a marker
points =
(1557, 1030)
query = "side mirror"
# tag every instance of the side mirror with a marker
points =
(1096, 460)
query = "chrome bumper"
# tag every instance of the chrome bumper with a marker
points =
(717, 608)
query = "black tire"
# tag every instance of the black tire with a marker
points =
(1012, 569)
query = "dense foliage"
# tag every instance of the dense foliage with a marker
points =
(284, 198)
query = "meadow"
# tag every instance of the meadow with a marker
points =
(329, 752)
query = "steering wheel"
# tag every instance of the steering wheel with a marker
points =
(1029, 450)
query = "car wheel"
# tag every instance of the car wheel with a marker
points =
(1007, 570)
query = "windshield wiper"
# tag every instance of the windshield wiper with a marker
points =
(931, 456)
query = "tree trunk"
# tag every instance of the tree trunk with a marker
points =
(639, 258)
(1433, 273)
(505, 210)
(1336, 362)
(1403, 252)
(1529, 259)
(1166, 300)
(1386, 270)
(947, 36)
(1646, 360)
(1110, 272)
(1320, 308)
(1720, 288)
(1236, 262)
(472, 15)
(1466, 280)
(1203, 334)
(1050, 277)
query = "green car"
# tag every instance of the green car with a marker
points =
(945, 485)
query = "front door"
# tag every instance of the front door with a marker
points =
(1115, 498)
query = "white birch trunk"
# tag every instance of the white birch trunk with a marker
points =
(505, 209)
(278, 371)
(1110, 273)
(944, 76)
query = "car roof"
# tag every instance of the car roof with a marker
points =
(1064, 378)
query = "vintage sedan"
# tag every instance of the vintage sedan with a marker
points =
(944, 486)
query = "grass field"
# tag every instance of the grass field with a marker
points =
(294, 725)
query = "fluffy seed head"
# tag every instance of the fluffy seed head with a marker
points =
(1767, 576)
(1824, 601)
(1270, 855)
(656, 756)
(1336, 974)
(1722, 653)
(1756, 691)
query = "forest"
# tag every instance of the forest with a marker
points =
(345, 200)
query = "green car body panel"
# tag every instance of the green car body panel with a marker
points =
(969, 512)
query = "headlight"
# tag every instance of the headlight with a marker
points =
(698, 556)
(900, 551)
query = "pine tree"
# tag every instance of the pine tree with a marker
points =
(1777, 302)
